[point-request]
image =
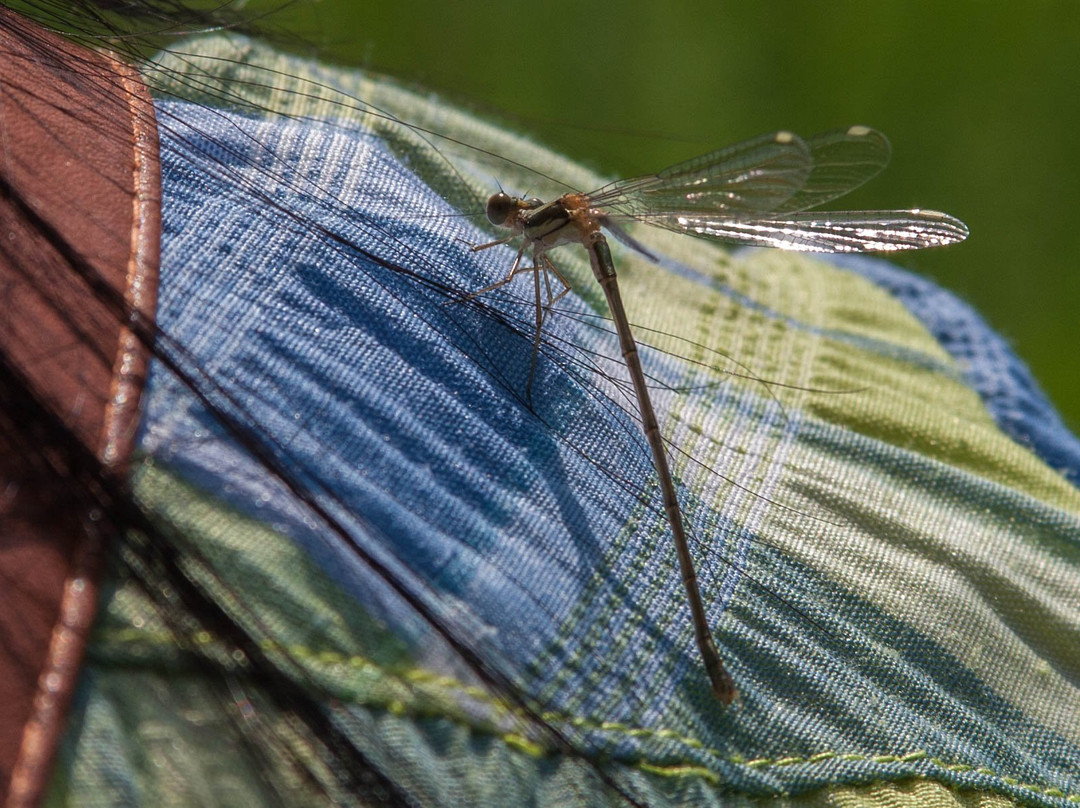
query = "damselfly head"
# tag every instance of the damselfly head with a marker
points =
(502, 208)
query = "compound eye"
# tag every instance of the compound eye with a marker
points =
(534, 203)
(500, 208)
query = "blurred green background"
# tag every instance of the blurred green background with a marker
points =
(980, 99)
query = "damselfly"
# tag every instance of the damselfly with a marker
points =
(755, 193)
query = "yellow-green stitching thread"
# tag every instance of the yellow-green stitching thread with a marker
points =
(523, 744)
(788, 761)
(679, 771)
(418, 676)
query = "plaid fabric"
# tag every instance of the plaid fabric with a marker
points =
(878, 497)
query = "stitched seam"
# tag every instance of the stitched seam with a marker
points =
(125, 390)
(688, 769)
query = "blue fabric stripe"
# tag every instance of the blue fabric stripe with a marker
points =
(1003, 380)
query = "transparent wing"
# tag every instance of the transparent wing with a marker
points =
(829, 231)
(757, 175)
(842, 160)
(773, 173)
